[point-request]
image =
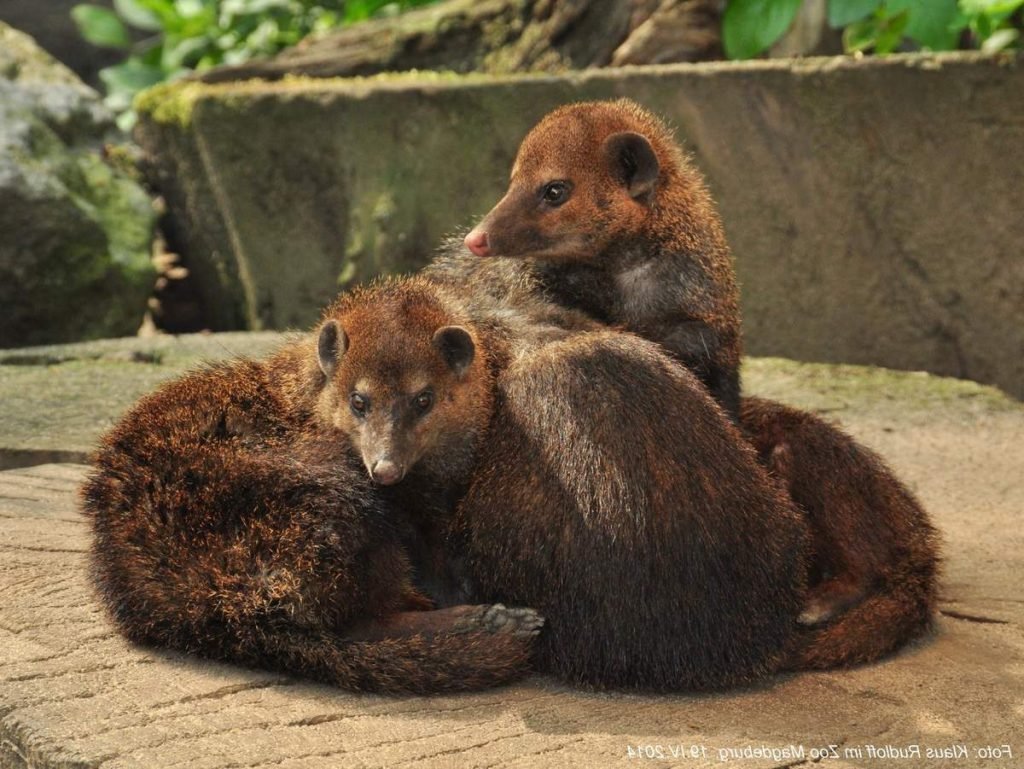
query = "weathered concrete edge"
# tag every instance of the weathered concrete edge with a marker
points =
(167, 115)
(171, 102)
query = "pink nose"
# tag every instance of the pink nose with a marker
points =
(476, 241)
(385, 472)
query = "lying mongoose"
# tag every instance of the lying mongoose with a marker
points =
(234, 515)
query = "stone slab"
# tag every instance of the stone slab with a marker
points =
(873, 205)
(56, 400)
(73, 694)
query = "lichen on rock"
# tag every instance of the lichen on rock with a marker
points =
(75, 255)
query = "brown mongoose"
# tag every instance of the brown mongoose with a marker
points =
(234, 519)
(619, 225)
(612, 219)
(613, 491)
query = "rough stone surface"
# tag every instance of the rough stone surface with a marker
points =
(50, 24)
(873, 206)
(75, 249)
(55, 401)
(73, 694)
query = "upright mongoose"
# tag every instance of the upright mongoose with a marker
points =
(619, 225)
(234, 514)
(609, 216)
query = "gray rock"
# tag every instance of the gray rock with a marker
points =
(75, 253)
(51, 26)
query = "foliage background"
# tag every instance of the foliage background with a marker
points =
(750, 27)
(173, 37)
(164, 39)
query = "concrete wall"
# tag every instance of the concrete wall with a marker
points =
(874, 206)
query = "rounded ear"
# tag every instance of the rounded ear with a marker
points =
(456, 347)
(632, 160)
(330, 346)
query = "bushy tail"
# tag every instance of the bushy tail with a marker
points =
(419, 664)
(871, 537)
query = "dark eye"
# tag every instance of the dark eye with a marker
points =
(423, 402)
(358, 404)
(555, 193)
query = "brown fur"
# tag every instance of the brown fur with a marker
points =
(612, 491)
(638, 243)
(616, 249)
(875, 547)
(233, 519)
(614, 496)
(302, 565)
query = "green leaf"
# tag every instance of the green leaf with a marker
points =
(100, 26)
(202, 23)
(165, 11)
(990, 7)
(890, 33)
(930, 23)
(842, 13)
(982, 26)
(881, 33)
(137, 15)
(126, 79)
(999, 40)
(358, 10)
(209, 60)
(751, 26)
(190, 8)
(860, 36)
(126, 120)
(152, 54)
(260, 6)
(183, 52)
(325, 21)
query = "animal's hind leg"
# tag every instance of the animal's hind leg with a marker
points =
(862, 520)
(837, 582)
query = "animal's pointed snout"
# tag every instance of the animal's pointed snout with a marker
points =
(386, 473)
(476, 241)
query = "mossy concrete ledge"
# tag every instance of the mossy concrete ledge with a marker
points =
(873, 206)
(73, 693)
